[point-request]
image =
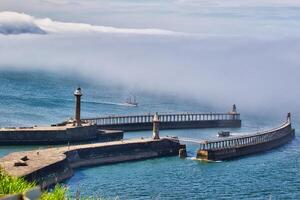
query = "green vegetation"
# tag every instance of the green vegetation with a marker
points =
(58, 193)
(13, 185)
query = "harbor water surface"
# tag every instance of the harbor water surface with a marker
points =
(35, 98)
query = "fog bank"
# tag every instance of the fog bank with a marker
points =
(231, 51)
(258, 75)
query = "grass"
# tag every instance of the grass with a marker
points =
(14, 185)
(58, 193)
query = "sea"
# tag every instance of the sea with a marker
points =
(39, 98)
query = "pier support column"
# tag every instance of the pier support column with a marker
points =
(155, 134)
(77, 95)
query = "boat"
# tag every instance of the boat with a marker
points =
(131, 102)
(224, 134)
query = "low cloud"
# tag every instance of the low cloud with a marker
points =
(15, 23)
(19, 23)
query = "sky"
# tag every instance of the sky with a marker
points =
(218, 52)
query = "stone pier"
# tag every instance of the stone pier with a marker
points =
(168, 121)
(231, 147)
(53, 165)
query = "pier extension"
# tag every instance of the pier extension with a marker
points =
(50, 166)
(168, 121)
(232, 147)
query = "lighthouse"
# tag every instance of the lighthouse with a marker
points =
(233, 110)
(77, 95)
(155, 134)
(289, 117)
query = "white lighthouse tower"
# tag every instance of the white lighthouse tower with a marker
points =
(233, 110)
(77, 95)
(155, 134)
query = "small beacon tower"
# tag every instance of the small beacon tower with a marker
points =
(289, 117)
(233, 112)
(155, 134)
(77, 95)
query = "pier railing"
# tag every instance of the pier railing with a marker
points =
(180, 117)
(247, 140)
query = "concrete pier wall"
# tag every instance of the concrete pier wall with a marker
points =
(263, 142)
(237, 152)
(56, 135)
(168, 121)
(51, 174)
(50, 166)
(88, 129)
(113, 132)
(122, 152)
(175, 125)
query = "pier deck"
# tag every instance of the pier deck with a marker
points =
(56, 134)
(49, 166)
(231, 147)
(167, 121)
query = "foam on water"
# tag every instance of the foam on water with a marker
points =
(204, 160)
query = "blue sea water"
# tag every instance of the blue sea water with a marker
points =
(38, 98)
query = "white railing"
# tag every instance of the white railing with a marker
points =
(246, 140)
(180, 117)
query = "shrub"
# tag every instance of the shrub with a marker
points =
(13, 185)
(58, 193)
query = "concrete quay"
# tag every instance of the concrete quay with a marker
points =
(175, 125)
(53, 165)
(71, 131)
(232, 147)
(61, 134)
(168, 121)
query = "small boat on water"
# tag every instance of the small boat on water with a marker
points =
(131, 102)
(224, 134)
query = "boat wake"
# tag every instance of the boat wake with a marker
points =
(109, 103)
(204, 160)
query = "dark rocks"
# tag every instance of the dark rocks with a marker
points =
(25, 158)
(182, 153)
(20, 163)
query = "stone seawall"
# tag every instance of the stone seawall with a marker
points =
(51, 174)
(237, 152)
(286, 134)
(175, 125)
(53, 165)
(56, 135)
(122, 152)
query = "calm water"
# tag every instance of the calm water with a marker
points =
(37, 98)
